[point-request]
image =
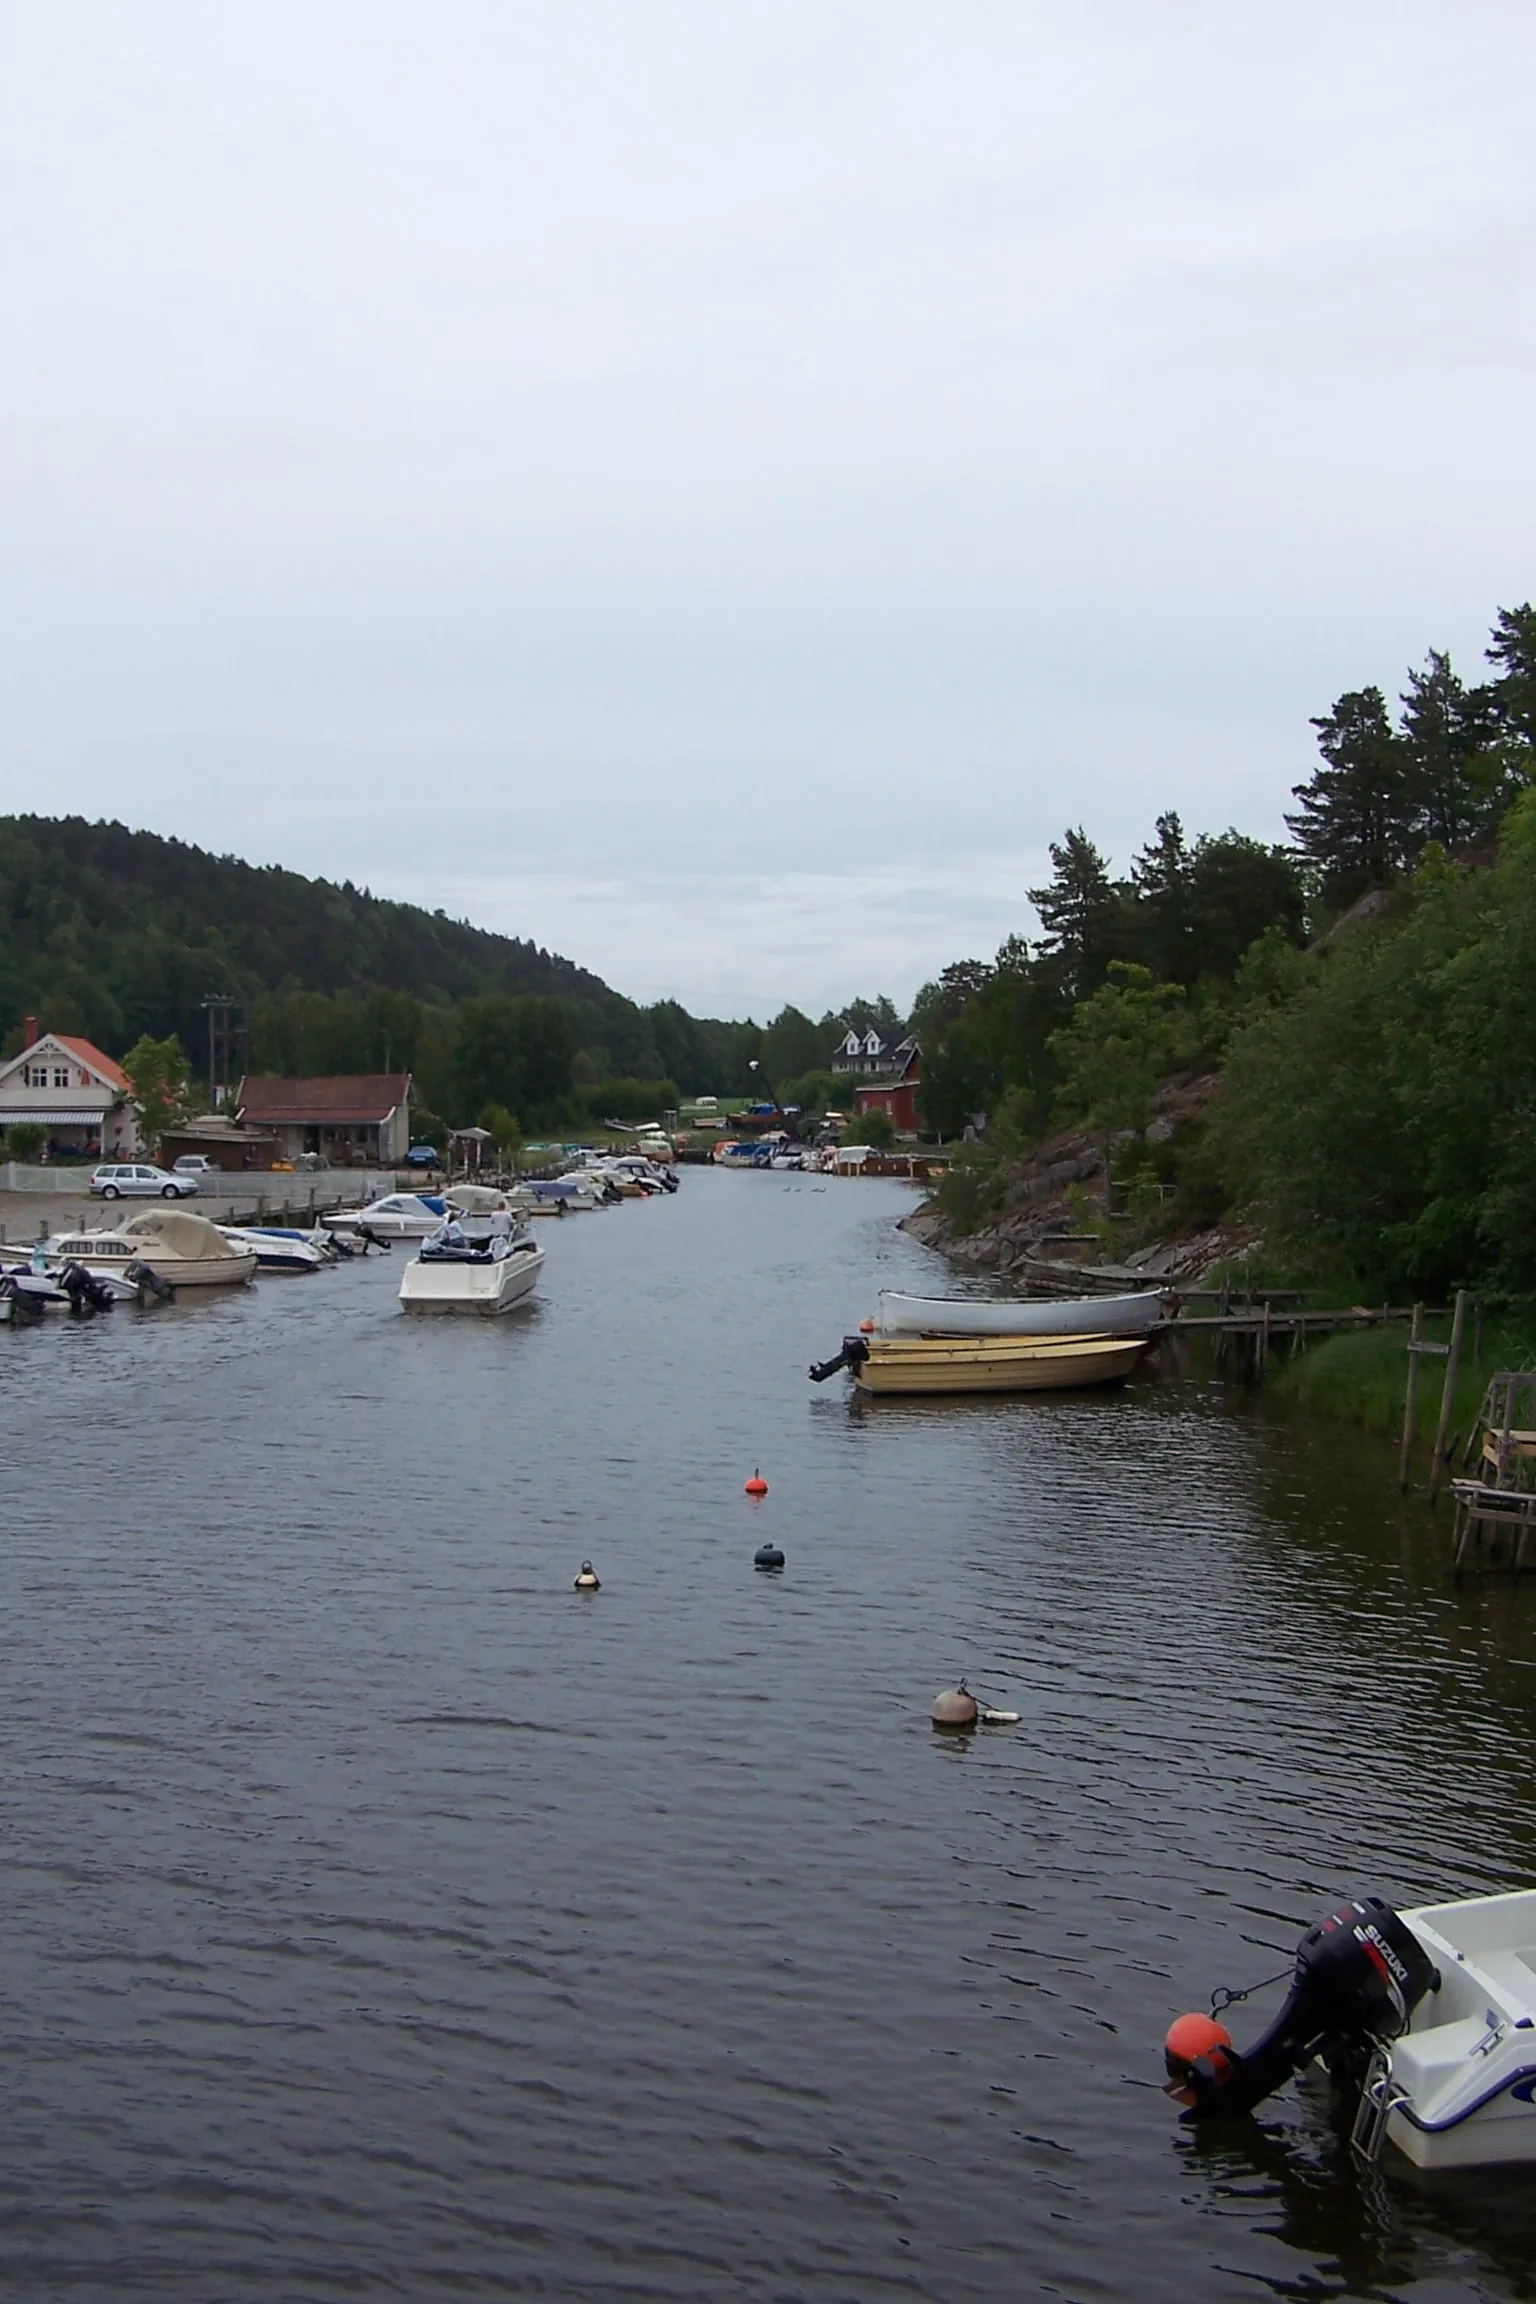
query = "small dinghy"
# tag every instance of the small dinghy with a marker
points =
(1134, 1315)
(1426, 2020)
(918, 1364)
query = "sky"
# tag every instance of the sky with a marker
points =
(716, 488)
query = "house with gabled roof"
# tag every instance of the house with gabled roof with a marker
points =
(894, 1091)
(73, 1089)
(359, 1119)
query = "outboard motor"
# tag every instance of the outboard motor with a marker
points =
(854, 1353)
(85, 1291)
(1359, 1976)
(151, 1285)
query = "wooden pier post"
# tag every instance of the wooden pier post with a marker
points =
(1448, 1395)
(1411, 1400)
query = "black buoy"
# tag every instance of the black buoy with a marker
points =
(587, 1580)
(768, 1556)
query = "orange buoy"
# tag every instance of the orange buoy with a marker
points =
(866, 1327)
(1192, 2039)
(757, 1485)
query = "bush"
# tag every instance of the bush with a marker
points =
(24, 1139)
(877, 1129)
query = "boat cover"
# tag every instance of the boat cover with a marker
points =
(193, 1237)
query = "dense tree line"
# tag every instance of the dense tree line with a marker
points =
(120, 935)
(1377, 1105)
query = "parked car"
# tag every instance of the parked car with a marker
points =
(423, 1156)
(137, 1179)
(194, 1164)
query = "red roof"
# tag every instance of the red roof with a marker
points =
(355, 1100)
(89, 1053)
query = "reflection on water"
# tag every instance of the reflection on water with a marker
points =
(385, 1918)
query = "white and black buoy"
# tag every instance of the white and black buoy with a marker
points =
(768, 1556)
(955, 1708)
(587, 1580)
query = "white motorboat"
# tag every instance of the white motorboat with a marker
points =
(172, 1243)
(1426, 2018)
(570, 1195)
(62, 1250)
(397, 1216)
(189, 1251)
(488, 1199)
(489, 1273)
(26, 1294)
(1136, 1315)
(275, 1252)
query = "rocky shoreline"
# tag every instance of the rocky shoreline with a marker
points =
(1037, 1242)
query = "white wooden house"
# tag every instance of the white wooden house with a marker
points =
(78, 1095)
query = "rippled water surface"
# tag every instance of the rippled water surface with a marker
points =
(383, 1918)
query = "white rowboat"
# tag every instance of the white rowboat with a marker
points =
(1005, 1316)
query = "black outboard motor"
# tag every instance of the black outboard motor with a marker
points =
(1359, 1976)
(151, 1285)
(854, 1353)
(85, 1291)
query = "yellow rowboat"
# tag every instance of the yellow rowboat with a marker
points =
(995, 1363)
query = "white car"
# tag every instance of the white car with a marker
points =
(137, 1180)
(195, 1164)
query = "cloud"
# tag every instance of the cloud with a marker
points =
(663, 447)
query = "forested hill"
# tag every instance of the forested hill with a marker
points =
(114, 933)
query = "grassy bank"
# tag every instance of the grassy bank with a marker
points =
(1361, 1378)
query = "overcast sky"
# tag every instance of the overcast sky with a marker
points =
(716, 485)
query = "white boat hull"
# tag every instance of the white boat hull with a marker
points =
(1134, 1315)
(1464, 2073)
(487, 1287)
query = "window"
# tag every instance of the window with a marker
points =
(61, 1076)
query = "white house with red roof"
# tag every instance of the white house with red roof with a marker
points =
(67, 1086)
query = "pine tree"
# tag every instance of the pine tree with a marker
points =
(1356, 816)
(1453, 771)
(1161, 877)
(1082, 912)
(1512, 650)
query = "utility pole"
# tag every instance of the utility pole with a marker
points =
(220, 1008)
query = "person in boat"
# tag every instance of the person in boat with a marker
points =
(501, 1228)
(450, 1233)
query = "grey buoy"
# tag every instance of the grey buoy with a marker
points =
(768, 1556)
(955, 1708)
(587, 1580)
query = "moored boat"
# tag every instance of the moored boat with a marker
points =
(1425, 2019)
(1133, 1315)
(275, 1252)
(396, 1216)
(917, 1364)
(187, 1250)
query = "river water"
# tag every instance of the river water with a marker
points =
(383, 1918)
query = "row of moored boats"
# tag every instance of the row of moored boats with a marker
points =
(475, 1248)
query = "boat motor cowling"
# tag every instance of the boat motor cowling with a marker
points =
(1359, 1976)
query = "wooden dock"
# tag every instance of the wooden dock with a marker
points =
(1249, 1333)
(1495, 1514)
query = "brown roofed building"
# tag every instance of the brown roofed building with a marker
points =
(358, 1120)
